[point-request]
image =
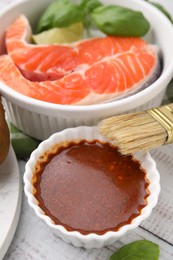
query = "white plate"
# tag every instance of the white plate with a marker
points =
(10, 200)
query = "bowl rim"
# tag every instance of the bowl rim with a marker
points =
(164, 78)
(152, 174)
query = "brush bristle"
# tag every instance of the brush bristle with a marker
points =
(133, 132)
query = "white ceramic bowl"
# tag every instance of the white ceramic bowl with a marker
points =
(40, 119)
(74, 237)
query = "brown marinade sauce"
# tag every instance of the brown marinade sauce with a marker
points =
(90, 187)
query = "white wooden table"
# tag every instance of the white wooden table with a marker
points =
(34, 240)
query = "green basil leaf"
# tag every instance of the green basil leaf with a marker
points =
(138, 250)
(59, 14)
(162, 9)
(46, 18)
(88, 6)
(67, 16)
(169, 93)
(22, 144)
(120, 21)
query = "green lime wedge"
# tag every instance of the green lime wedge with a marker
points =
(68, 34)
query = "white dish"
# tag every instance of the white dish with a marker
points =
(91, 240)
(48, 118)
(10, 200)
(167, 4)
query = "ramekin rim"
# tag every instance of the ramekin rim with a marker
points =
(154, 189)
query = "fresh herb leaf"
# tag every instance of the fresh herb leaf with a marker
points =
(46, 18)
(169, 93)
(110, 19)
(88, 6)
(162, 9)
(138, 250)
(120, 21)
(22, 144)
(60, 14)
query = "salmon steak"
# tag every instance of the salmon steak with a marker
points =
(89, 71)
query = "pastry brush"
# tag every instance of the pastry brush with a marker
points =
(139, 131)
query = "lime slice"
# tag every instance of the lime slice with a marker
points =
(68, 34)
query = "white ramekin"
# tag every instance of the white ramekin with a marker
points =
(41, 119)
(74, 237)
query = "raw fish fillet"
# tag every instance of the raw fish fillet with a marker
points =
(86, 72)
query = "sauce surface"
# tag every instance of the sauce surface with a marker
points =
(90, 187)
